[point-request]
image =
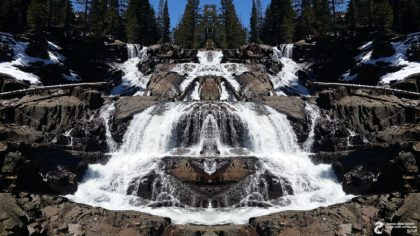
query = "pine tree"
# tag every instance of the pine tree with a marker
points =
(97, 15)
(68, 16)
(234, 31)
(141, 23)
(5, 6)
(165, 23)
(279, 24)
(185, 33)
(38, 15)
(382, 14)
(113, 20)
(254, 24)
(408, 18)
(306, 21)
(322, 25)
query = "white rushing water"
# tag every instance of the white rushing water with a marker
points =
(133, 80)
(287, 79)
(269, 137)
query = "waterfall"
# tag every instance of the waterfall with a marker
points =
(106, 115)
(133, 50)
(153, 135)
(286, 50)
(133, 81)
(203, 162)
(210, 64)
(287, 80)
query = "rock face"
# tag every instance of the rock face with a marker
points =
(48, 139)
(29, 214)
(23, 214)
(364, 112)
(357, 217)
(254, 85)
(412, 83)
(369, 140)
(8, 83)
(210, 88)
(165, 85)
(253, 52)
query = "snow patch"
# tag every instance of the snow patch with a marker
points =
(398, 59)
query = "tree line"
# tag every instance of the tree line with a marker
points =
(221, 27)
(292, 20)
(131, 20)
(282, 21)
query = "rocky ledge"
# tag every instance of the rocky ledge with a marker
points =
(32, 214)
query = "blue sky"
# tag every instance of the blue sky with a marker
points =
(176, 8)
(243, 8)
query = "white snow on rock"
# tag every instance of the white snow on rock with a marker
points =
(399, 59)
(21, 59)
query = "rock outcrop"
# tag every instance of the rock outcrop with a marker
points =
(165, 85)
(357, 217)
(254, 85)
(30, 214)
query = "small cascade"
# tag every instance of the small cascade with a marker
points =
(133, 81)
(106, 116)
(134, 50)
(286, 50)
(210, 65)
(314, 113)
(287, 81)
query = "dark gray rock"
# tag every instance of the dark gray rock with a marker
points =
(8, 83)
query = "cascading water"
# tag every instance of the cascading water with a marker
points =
(208, 162)
(287, 80)
(210, 64)
(133, 81)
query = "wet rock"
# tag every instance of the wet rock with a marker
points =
(165, 85)
(409, 215)
(400, 174)
(17, 133)
(56, 216)
(210, 88)
(254, 85)
(20, 173)
(251, 52)
(52, 113)
(225, 171)
(364, 113)
(353, 218)
(226, 230)
(117, 51)
(12, 218)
